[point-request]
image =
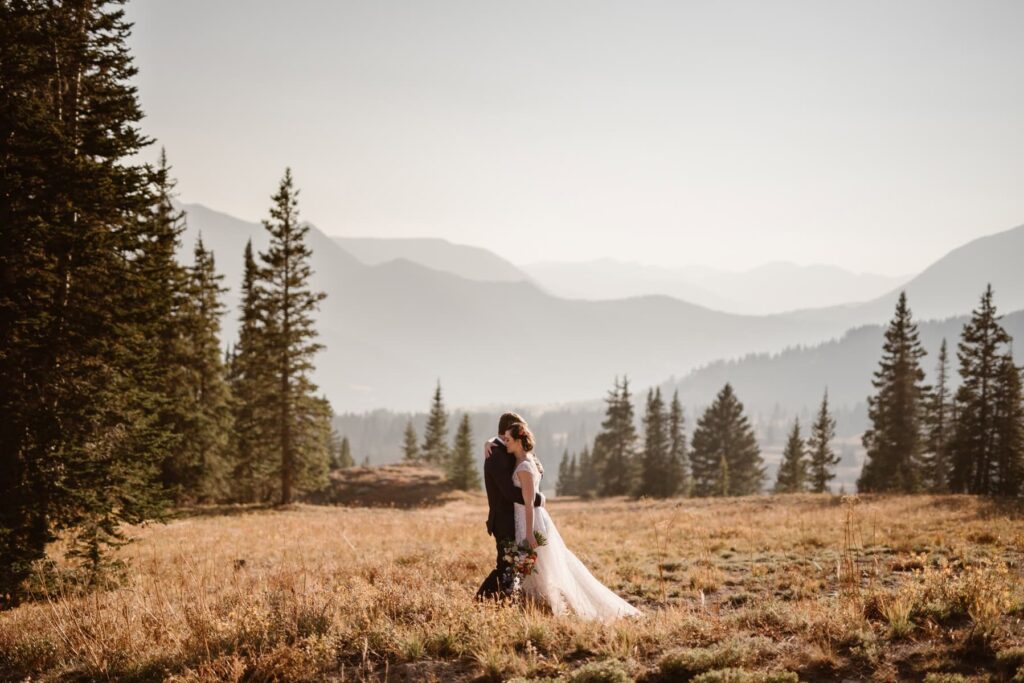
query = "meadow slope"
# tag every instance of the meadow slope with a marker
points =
(888, 588)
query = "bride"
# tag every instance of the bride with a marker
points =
(558, 578)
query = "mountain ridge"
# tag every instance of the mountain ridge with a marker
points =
(472, 263)
(393, 329)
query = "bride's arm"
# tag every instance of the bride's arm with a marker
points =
(526, 479)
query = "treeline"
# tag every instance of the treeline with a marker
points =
(116, 398)
(722, 459)
(458, 461)
(928, 438)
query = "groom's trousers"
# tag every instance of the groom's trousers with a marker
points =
(494, 585)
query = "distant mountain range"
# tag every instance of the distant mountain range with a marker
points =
(392, 327)
(472, 263)
(771, 288)
(391, 330)
(951, 286)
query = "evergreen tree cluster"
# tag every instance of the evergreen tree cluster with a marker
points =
(116, 397)
(809, 465)
(457, 460)
(723, 457)
(922, 438)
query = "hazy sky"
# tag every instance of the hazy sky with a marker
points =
(874, 135)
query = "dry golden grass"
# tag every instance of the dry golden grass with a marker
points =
(742, 589)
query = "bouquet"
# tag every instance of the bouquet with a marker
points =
(521, 559)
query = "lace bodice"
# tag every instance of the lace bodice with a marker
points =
(531, 467)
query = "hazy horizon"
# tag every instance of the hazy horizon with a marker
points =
(870, 136)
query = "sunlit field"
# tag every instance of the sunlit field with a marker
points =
(762, 589)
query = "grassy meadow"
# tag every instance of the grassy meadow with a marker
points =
(801, 587)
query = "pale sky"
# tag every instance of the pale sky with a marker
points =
(869, 134)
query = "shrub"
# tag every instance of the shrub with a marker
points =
(609, 671)
(897, 610)
(20, 659)
(733, 675)
(688, 662)
(945, 678)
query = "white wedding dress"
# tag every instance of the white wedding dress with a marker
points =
(559, 578)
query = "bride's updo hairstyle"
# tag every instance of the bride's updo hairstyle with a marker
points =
(521, 433)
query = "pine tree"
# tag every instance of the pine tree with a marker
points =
(938, 428)
(616, 444)
(972, 450)
(894, 442)
(678, 480)
(435, 440)
(821, 458)
(80, 434)
(462, 470)
(253, 387)
(657, 472)
(286, 309)
(1008, 449)
(563, 483)
(202, 454)
(792, 474)
(410, 449)
(341, 452)
(724, 457)
(160, 266)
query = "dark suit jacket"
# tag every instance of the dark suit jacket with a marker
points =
(502, 494)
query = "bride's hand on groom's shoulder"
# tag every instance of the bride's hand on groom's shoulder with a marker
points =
(488, 445)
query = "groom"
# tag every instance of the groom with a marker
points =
(501, 498)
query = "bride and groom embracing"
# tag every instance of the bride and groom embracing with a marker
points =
(516, 514)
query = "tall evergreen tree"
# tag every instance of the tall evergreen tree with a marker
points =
(792, 475)
(286, 308)
(341, 452)
(656, 466)
(679, 473)
(938, 428)
(435, 439)
(894, 441)
(563, 484)
(410, 449)
(821, 458)
(80, 437)
(724, 457)
(616, 444)
(1008, 450)
(972, 450)
(253, 387)
(160, 266)
(202, 454)
(462, 471)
